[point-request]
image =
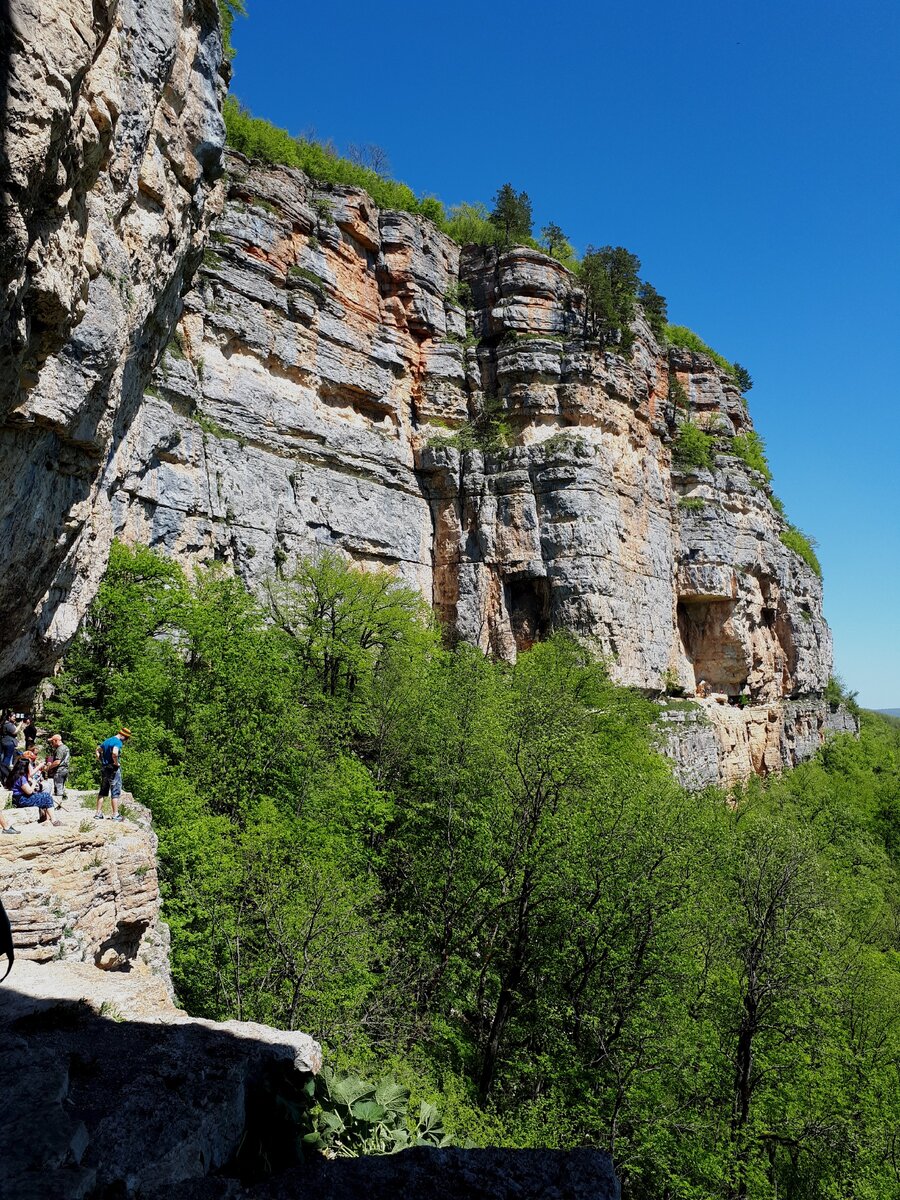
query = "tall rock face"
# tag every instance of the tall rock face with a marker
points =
(110, 144)
(349, 378)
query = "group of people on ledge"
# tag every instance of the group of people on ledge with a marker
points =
(42, 784)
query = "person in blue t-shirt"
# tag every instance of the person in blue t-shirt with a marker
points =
(111, 772)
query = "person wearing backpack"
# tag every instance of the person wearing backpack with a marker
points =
(108, 753)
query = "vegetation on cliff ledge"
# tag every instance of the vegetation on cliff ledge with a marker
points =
(482, 878)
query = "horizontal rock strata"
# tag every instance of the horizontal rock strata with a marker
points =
(348, 378)
(85, 891)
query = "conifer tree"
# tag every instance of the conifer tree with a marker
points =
(609, 277)
(511, 214)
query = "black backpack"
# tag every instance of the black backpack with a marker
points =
(6, 942)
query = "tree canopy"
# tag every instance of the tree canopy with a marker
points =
(483, 878)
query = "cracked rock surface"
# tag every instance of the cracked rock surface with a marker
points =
(110, 144)
(329, 376)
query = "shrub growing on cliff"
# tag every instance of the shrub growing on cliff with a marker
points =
(470, 224)
(693, 447)
(801, 543)
(680, 335)
(750, 449)
(260, 139)
(228, 10)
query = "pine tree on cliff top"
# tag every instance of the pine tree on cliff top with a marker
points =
(511, 214)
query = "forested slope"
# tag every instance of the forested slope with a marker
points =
(482, 877)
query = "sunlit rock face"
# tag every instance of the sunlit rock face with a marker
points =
(329, 368)
(344, 377)
(110, 145)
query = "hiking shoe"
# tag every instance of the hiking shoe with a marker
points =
(98, 816)
(12, 829)
(117, 818)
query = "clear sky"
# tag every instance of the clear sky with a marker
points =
(749, 153)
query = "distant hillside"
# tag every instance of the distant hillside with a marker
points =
(890, 712)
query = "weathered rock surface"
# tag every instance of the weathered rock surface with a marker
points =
(110, 142)
(108, 1089)
(324, 361)
(85, 891)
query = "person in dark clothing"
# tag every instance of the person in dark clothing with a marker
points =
(56, 766)
(8, 736)
(30, 732)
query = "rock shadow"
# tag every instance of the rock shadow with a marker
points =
(100, 1108)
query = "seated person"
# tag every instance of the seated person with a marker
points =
(25, 786)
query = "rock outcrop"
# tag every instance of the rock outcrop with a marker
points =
(110, 143)
(86, 891)
(344, 377)
(106, 1084)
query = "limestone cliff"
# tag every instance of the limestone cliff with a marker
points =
(110, 140)
(328, 354)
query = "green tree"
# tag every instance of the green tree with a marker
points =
(511, 215)
(609, 277)
(742, 377)
(655, 309)
(553, 238)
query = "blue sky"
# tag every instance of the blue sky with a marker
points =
(748, 153)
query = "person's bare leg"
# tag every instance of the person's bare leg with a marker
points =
(114, 801)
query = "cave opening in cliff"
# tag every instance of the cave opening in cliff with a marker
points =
(712, 645)
(528, 605)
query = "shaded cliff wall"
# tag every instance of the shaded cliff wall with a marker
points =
(109, 148)
(331, 360)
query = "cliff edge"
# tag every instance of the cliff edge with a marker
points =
(110, 143)
(350, 378)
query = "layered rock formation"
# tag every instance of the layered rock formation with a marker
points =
(110, 140)
(348, 378)
(106, 1083)
(87, 891)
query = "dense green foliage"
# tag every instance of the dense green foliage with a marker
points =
(751, 449)
(260, 139)
(655, 309)
(482, 880)
(609, 276)
(742, 377)
(801, 543)
(693, 447)
(680, 335)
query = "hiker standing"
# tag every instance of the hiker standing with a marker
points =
(56, 768)
(8, 740)
(111, 772)
(29, 732)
